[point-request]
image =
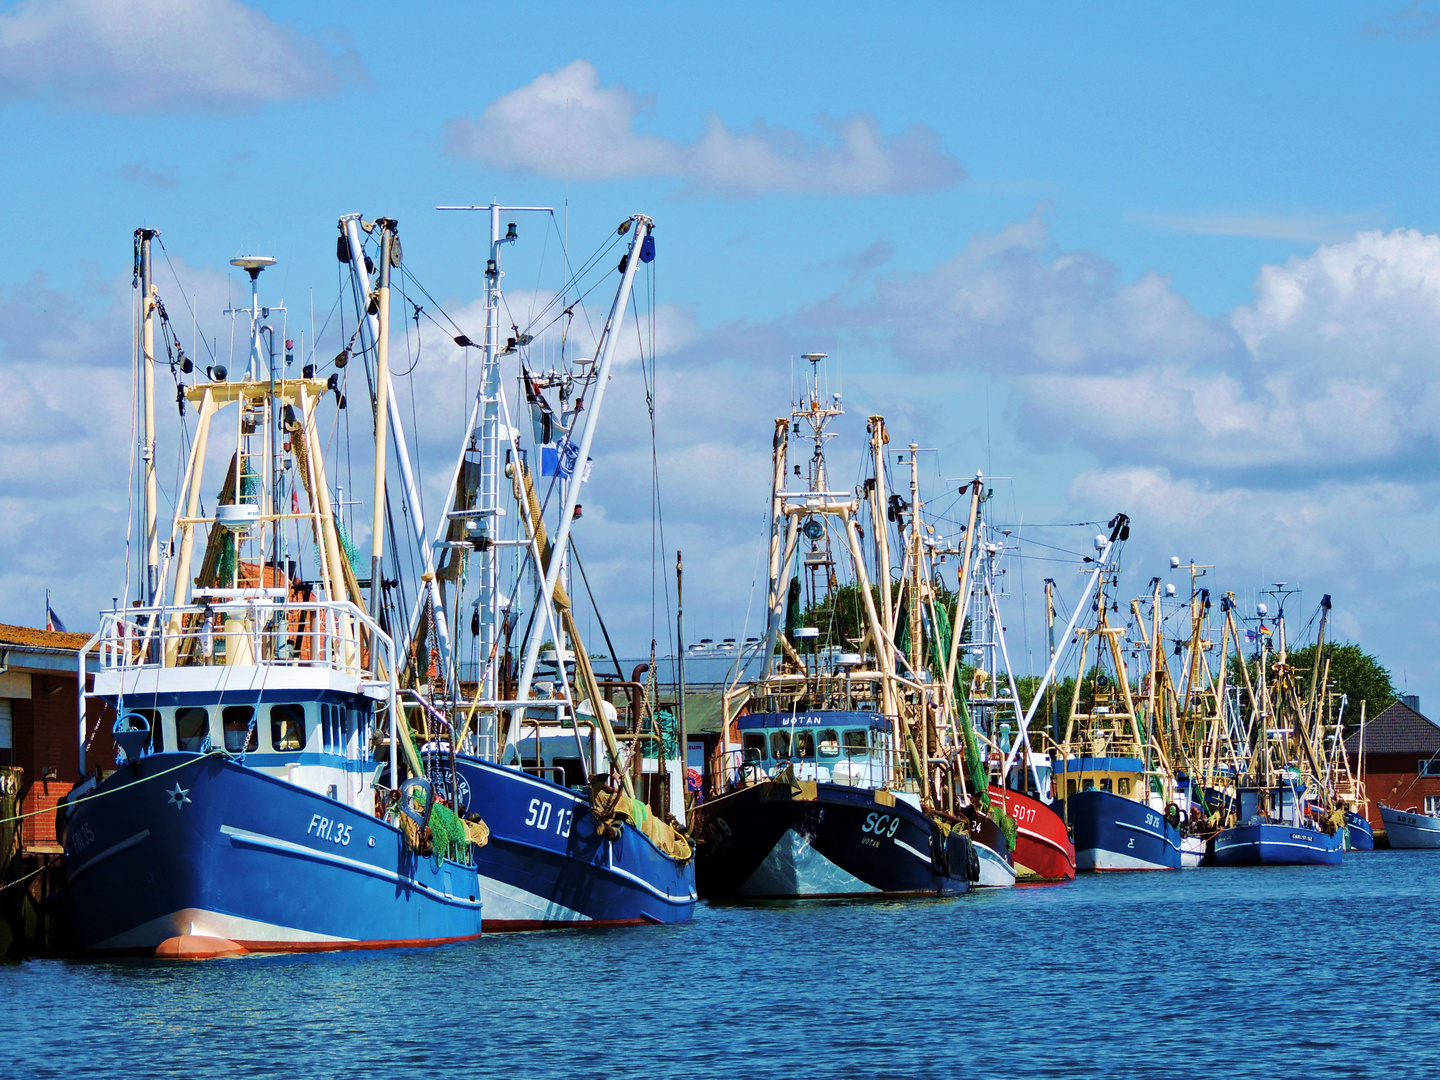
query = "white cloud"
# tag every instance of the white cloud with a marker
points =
(566, 125)
(161, 55)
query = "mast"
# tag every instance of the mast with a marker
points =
(147, 452)
(350, 226)
(608, 336)
(878, 438)
(382, 404)
(485, 427)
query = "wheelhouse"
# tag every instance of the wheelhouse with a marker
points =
(853, 748)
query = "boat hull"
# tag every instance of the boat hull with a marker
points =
(1043, 851)
(1271, 844)
(1116, 833)
(997, 862)
(181, 845)
(1359, 834)
(777, 841)
(1405, 829)
(545, 866)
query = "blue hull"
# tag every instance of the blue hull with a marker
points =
(1362, 836)
(220, 851)
(1268, 844)
(546, 867)
(1115, 833)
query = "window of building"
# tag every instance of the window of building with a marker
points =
(753, 743)
(1429, 767)
(287, 727)
(829, 742)
(804, 744)
(239, 735)
(7, 733)
(779, 744)
(1432, 805)
(192, 728)
(855, 740)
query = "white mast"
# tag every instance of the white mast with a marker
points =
(485, 416)
(608, 336)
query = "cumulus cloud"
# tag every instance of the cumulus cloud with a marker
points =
(567, 125)
(161, 56)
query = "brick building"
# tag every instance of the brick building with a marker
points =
(39, 728)
(1401, 761)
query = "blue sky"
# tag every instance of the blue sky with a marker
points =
(1174, 261)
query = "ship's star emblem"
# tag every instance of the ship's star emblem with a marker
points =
(179, 796)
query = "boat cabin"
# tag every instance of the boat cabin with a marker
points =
(321, 740)
(852, 748)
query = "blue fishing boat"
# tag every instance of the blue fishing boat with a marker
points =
(259, 803)
(1114, 827)
(1277, 828)
(585, 815)
(839, 777)
(821, 823)
(1359, 836)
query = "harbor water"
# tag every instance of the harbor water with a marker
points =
(1294, 971)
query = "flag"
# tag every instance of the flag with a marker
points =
(52, 621)
(567, 456)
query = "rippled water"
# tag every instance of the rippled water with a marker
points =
(1304, 971)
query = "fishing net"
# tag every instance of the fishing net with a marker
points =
(1006, 823)
(449, 838)
(974, 764)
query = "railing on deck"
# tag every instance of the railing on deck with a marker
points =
(241, 631)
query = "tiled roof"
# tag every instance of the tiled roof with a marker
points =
(1397, 730)
(31, 637)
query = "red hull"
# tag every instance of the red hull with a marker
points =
(1043, 851)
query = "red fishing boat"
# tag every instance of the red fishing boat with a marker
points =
(1043, 849)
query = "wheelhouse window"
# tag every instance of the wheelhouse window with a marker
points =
(1124, 785)
(857, 740)
(1087, 785)
(192, 728)
(287, 727)
(779, 744)
(804, 744)
(1105, 784)
(753, 744)
(240, 735)
(829, 743)
(151, 717)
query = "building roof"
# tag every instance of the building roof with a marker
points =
(32, 637)
(1397, 730)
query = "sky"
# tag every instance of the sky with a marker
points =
(1180, 262)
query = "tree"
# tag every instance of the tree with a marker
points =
(1353, 672)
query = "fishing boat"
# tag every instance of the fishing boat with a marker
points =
(1117, 790)
(1286, 812)
(1410, 828)
(843, 777)
(261, 801)
(1043, 848)
(585, 807)
(1278, 827)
